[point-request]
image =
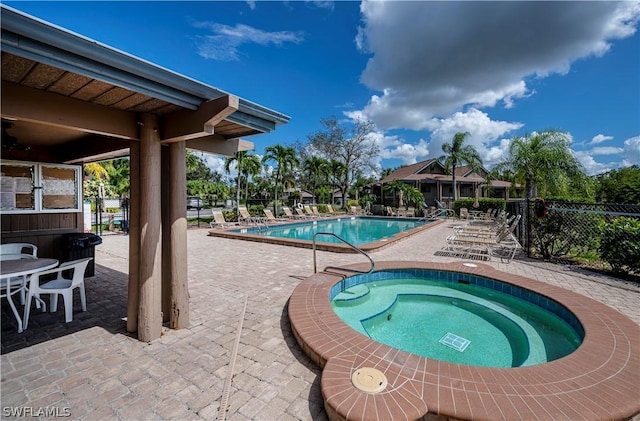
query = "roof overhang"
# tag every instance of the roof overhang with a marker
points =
(65, 91)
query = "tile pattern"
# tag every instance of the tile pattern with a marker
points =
(99, 371)
(599, 380)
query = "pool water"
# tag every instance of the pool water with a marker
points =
(456, 322)
(355, 230)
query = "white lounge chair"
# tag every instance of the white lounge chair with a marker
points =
(289, 214)
(219, 221)
(484, 243)
(270, 217)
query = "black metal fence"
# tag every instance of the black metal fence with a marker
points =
(109, 214)
(573, 231)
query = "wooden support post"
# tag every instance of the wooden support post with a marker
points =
(149, 313)
(166, 235)
(177, 211)
(133, 296)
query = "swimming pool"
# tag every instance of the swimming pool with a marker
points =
(596, 381)
(459, 320)
(369, 233)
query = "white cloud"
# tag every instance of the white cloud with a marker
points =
(226, 40)
(591, 166)
(252, 4)
(329, 5)
(599, 139)
(631, 151)
(605, 150)
(408, 153)
(215, 162)
(485, 135)
(430, 59)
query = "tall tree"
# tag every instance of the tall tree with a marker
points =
(456, 154)
(118, 170)
(542, 161)
(315, 170)
(96, 170)
(251, 166)
(352, 146)
(285, 159)
(619, 186)
(337, 172)
(197, 168)
(246, 164)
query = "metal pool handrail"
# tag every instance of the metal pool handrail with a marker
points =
(315, 270)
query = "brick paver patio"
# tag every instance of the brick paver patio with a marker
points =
(94, 370)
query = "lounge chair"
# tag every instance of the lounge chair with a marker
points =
(244, 215)
(444, 211)
(289, 214)
(489, 229)
(391, 212)
(333, 211)
(411, 212)
(485, 244)
(271, 217)
(309, 212)
(301, 214)
(219, 221)
(318, 213)
(356, 210)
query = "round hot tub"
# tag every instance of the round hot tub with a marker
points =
(560, 355)
(457, 317)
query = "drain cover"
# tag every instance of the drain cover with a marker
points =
(454, 341)
(369, 380)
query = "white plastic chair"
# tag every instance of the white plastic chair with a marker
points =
(15, 251)
(11, 249)
(62, 285)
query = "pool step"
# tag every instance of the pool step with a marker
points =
(353, 296)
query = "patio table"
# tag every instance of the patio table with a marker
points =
(20, 268)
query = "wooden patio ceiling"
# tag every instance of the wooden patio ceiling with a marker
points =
(24, 135)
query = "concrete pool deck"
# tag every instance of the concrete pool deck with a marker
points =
(98, 371)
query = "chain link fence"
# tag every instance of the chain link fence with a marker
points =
(598, 235)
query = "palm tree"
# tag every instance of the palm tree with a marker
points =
(251, 166)
(285, 159)
(542, 161)
(315, 168)
(457, 153)
(396, 187)
(96, 170)
(118, 171)
(246, 164)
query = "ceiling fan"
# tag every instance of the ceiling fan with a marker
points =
(9, 142)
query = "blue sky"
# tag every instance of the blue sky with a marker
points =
(420, 71)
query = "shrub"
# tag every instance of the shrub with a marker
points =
(485, 203)
(563, 233)
(620, 244)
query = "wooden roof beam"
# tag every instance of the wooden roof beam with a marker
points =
(186, 125)
(29, 104)
(219, 146)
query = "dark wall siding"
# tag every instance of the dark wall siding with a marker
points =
(42, 229)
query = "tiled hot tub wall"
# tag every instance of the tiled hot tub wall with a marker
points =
(597, 381)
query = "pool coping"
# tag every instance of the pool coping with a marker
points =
(338, 248)
(597, 381)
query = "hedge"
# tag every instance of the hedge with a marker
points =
(620, 244)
